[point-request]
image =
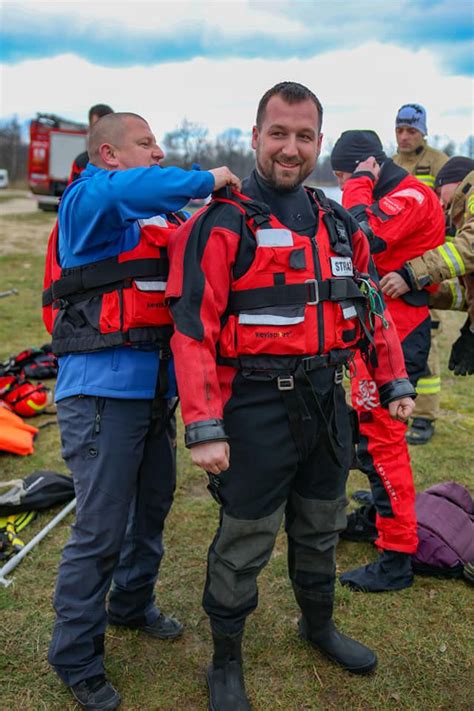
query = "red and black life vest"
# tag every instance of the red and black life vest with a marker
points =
(112, 302)
(300, 297)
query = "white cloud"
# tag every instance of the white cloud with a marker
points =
(361, 88)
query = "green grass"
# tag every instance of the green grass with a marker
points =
(422, 635)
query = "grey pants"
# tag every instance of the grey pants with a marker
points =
(124, 472)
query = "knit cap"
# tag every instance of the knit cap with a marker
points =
(353, 147)
(412, 115)
(454, 170)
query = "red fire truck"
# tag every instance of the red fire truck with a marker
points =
(54, 143)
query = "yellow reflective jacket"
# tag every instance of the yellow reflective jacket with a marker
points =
(424, 163)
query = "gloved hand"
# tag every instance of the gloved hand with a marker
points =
(461, 359)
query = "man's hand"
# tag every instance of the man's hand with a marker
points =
(223, 176)
(369, 165)
(213, 457)
(394, 285)
(401, 409)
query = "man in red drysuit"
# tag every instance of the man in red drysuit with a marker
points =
(269, 293)
(402, 219)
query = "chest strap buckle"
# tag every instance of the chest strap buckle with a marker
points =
(313, 292)
(339, 374)
(285, 382)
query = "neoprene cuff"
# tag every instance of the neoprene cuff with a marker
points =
(412, 280)
(205, 431)
(362, 174)
(395, 390)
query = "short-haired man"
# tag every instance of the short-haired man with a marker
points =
(105, 278)
(265, 290)
(95, 113)
(424, 162)
(401, 217)
(452, 262)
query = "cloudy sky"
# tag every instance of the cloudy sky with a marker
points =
(211, 61)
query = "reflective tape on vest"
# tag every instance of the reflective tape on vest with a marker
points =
(274, 238)
(150, 285)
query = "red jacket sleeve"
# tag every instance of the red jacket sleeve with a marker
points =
(201, 259)
(406, 221)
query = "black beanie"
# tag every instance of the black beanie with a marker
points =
(454, 171)
(353, 147)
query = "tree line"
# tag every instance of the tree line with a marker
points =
(190, 143)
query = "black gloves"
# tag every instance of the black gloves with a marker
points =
(461, 359)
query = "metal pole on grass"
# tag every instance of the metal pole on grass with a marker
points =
(13, 562)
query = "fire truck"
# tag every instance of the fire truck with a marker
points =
(54, 143)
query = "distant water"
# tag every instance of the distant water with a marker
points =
(331, 191)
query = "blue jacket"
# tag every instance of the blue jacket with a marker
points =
(98, 218)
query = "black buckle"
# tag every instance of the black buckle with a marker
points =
(339, 374)
(285, 382)
(313, 291)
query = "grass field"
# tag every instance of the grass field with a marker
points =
(423, 635)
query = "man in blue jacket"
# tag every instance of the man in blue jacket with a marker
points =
(105, 277)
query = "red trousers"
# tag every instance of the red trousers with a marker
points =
(382, 451)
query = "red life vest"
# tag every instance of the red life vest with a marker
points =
(112, 302)
(300, 296)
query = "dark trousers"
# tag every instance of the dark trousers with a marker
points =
(289, 457)
(124, 473)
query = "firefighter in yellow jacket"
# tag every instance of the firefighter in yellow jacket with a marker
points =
(419, 159)
(455, 258)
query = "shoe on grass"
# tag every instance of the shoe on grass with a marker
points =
(96, 694)
(162, 628)
(421, 431)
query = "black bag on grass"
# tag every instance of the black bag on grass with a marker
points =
(40, 490)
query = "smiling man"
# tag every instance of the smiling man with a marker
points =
(264, 291)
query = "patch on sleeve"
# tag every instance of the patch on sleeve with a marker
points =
(470, 204)
(390, 206)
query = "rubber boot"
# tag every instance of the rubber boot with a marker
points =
(391, 571)
(316, 626)
(225, 677)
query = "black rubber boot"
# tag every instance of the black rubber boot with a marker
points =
(317, 627)
(421, 431)
(225, 677)
(361, 525)
(391, 571)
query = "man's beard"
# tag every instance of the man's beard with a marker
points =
(276, 183)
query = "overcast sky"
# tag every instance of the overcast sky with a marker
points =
(212, 61)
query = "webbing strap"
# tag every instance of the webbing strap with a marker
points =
(311, 292)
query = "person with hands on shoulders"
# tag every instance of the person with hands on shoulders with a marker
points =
(105, 278)
(401, 218)
(272, 294)
(451, 265)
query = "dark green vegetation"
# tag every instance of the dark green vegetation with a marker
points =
(422, 635)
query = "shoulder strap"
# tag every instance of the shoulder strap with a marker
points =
(338, 235)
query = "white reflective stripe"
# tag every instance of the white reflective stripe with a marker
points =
(157, 220)
(274, 238)
(452, 258)
(410, 192)
(150, 285)
(349, 312)
(269, 319)
(458, 295)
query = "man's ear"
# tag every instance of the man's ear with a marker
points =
(320, 142)
(108, 155)
(254, 137)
